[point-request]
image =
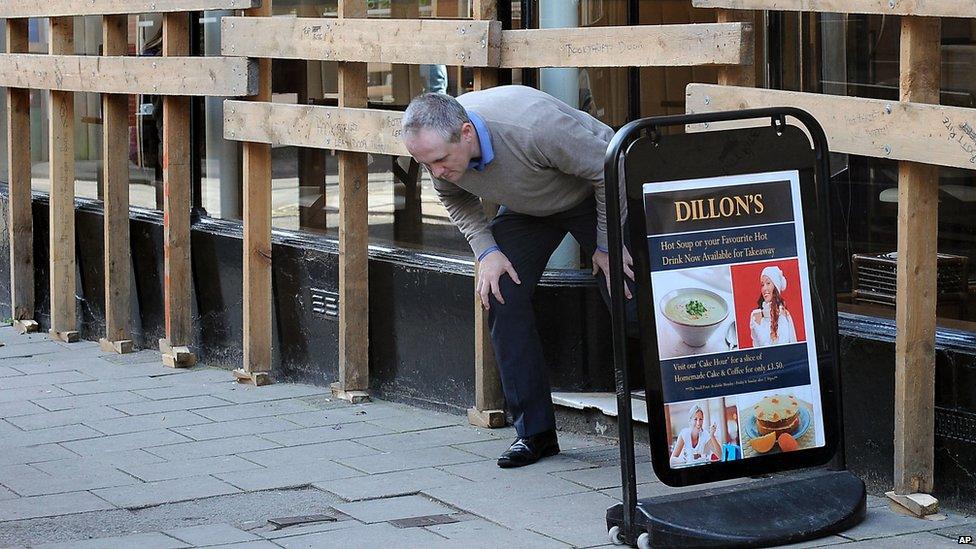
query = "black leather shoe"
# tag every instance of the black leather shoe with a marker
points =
(528, 450)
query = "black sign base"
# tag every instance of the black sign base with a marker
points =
(773, 511)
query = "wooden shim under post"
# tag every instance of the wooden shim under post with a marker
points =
(489, 402)
(62, 215)
(257, 242)
(177, 284)
(21, 228)
(115, 150)
(353, 238)
(918, 201)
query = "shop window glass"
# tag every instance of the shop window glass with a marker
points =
(859, 56)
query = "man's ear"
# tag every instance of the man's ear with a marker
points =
(468, 131)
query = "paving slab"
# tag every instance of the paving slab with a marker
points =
(339, 431)
(49, 435)
(390, 484)
(31, 393)
(114, 385)
(293, 475)
(147, 422)
(211, 534)
(411, 459)
(260, 544)
(602, 478)
(256, 409)
(387, 509)
(415, 420)
(150, 540)
(27, 480)
(54, 378)
(186, 390)
(345, 414)
(248, 394)
(206, 448)
(11, 353)
(128, 441)
(489, 471)
(189, 468)
(42, 418)
(84, 401)
(51, 506)
(79, 465)
(370, 536)
(914, 541)
(145, 406)
(441, 436)
(165, 491)
(882, 522)
(34, 454)
(481, 534)
(224, 429)
(309, 452)
(20, 408)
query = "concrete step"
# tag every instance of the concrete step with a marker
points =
(596, 414)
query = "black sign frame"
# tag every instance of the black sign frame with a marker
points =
(655, 156)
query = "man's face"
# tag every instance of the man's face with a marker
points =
(444, 159)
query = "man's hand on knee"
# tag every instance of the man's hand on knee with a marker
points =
(492, 267)
(601, 262)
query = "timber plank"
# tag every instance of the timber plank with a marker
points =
(195, 76)
(257, 241)
(409, 41)
(67, 8)
(338, 128)
(489, 401)
(177, 283)
(115, 151)
(353, 236)
(21, 230)
(635, 46)
(915, 298)
(62, 194)
(916, 132)
(929, 8)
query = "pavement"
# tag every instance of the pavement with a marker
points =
(102, 450)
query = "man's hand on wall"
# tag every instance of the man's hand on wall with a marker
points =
(601, 262)
(490, 270)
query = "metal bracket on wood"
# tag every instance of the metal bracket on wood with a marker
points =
(69, 336)
(176, 357)
(354, 397)
(123, 346)
(256, 378)
(25, 326)
(487, 419)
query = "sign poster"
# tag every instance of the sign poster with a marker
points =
(734, 324)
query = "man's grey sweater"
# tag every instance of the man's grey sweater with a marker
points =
(548, 158)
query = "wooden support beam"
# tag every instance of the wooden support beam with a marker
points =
(62, 172)
(115, 181)
(918, 229)
(339, 128)
(636, 46)
(738, 75)
(67, 8)
(177, 284)
(199, 76)
(928, 8)
(20, 219)
(257, 241)
(410, 41)
(916, 132)
(489, 401)
(353, 237)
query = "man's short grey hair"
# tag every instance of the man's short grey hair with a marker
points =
(435, 111)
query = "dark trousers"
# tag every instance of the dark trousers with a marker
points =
(528, 242)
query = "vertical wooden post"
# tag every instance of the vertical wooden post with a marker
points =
(489, 401)
(739, 75)
(21, 221)
(257, 241)
(353, 238)
(177, 290)
(918, 199)
(62, 172)
(115, 145)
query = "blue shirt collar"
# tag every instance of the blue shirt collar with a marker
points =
(484, 140)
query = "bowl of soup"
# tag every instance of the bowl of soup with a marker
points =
(694, 313)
